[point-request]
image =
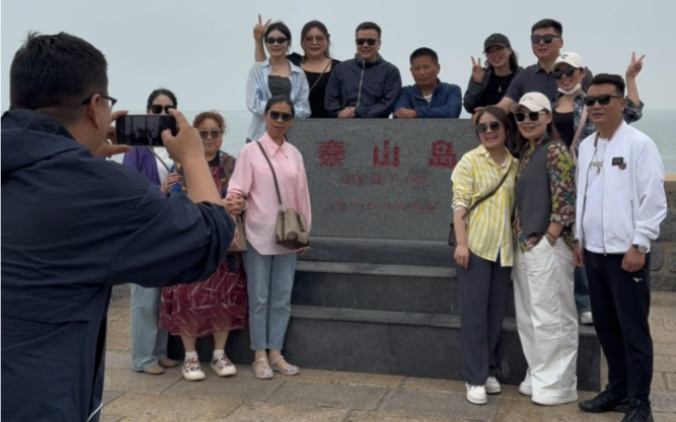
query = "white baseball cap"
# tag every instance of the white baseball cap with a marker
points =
(533, 101)
(572, 59)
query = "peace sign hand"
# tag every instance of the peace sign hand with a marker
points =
(477, 70)
(635, 66)
(259, 28)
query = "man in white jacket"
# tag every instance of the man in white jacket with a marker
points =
(620, 205)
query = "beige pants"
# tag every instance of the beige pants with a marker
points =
(547, 319)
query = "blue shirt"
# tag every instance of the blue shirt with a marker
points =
(446, 101)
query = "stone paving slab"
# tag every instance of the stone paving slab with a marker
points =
(167, 408)
(518, 411)
(438, 405)
(347, 378)
(329, 395)
(367, 416)
(269, 412)
(671, 381)
(127, 380)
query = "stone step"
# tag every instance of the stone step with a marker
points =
(382, 287)
(395, 343)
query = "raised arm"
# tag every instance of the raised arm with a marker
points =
(258, 34)
(634, 109)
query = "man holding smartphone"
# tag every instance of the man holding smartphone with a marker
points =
(74, 225)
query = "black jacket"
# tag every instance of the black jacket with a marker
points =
(74, 225)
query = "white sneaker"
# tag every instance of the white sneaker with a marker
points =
(586, 318)
(476, 394)
(526, 388)
(192, 371)
(554, 401)
(493, 386)
(223, 367)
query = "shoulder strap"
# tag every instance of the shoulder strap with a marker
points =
(491, 193)
(576, 138)
(279, 196)
(320, 76)
(160, 159)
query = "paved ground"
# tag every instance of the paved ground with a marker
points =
(346, 397)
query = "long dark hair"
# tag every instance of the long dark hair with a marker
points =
(161, 91)
(551, 132)
(316, 24)
(513, 60)
(501, 116)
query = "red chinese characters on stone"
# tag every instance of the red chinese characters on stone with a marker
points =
(443, 155)
(386, 162)
(331, 153)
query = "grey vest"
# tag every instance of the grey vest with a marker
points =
(533, 198)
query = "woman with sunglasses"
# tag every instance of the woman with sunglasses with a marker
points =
(543, 218)
(574, 125)
(148, 341)
(484, 253)
(270, 267)
(275, 76)
(218, 305)
(316, 60)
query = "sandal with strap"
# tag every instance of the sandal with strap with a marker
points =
(262, 371)
(290, 369)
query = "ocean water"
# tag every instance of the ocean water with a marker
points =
(655, 123)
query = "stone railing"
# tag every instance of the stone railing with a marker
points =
(663, 256)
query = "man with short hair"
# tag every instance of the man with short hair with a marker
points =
(620, 204)
(428, 97)
(546, 41)
(74, 225)
(366, 86)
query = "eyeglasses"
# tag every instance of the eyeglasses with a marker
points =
(569, 71)
(547, 38)
(88, 100)
(603, 100)
(157, 108)
(369, 41)
(276, 115)
(494, 126)
(533, 116)
(205, 134)
(278, 40)
(316, 38)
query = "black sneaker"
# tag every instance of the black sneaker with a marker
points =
(606, 401)
(639, 411)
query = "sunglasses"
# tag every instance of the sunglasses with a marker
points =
(603, 100)
(157, 109)
(494, 126)
(547, 38)
(278, 40)
(276, 115)
(533, 116)
(569, 71)
(369, 41)
(204, 134)
(105, 97)
(317, 38)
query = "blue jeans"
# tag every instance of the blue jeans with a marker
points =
(148, 342)
(581, 291)
(269, 284)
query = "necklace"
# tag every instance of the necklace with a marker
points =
(598, 164)
(501, 80)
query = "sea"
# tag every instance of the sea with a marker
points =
(655, 123)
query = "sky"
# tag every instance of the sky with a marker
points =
(203, 49)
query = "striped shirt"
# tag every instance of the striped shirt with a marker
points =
(489, 230)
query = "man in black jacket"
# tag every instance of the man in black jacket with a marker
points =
(366, 86)
(74, 225)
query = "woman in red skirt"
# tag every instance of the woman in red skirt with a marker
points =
(218, 305)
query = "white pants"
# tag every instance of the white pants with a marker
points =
(546, 318)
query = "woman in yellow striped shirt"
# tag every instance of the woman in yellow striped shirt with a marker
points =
(485, 249)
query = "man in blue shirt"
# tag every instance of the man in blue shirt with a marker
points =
(75, 224)
(429, 97)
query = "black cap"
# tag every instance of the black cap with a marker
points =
(496, 39)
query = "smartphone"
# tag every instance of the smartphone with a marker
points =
(144, 129)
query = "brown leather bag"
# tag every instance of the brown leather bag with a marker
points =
(291, 228)
(239, 241)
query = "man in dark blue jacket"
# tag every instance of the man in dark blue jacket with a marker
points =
(74, 225)
(428, 97)
(366, 86)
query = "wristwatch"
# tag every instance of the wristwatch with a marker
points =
(640, 248)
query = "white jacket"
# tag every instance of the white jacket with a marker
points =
(634, 201)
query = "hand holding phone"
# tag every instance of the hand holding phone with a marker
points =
(185, 145)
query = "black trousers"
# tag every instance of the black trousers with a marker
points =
(620, 303)
(483, 302)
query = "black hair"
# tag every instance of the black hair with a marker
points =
(424, 51)
(513, 60)
(548, 23)
(606, 78)
(162, 91)
(281, 27)
(317, 24)
(280, 99)
(370, 25)
(55, 74)
(502, 116)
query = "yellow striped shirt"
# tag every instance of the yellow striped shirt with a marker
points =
(489, 228)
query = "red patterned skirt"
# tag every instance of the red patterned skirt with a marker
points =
(215, 305)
